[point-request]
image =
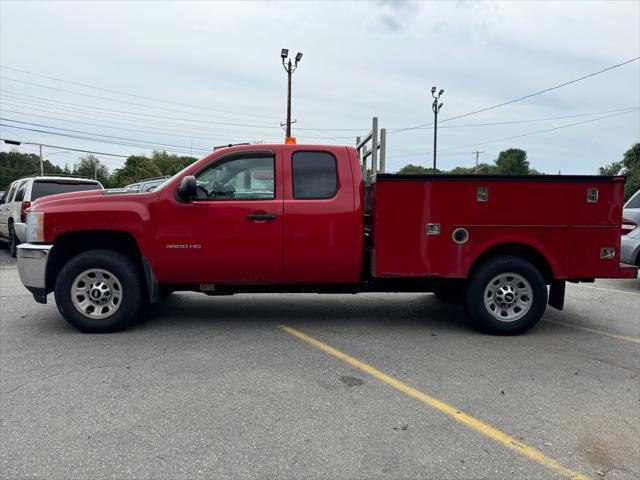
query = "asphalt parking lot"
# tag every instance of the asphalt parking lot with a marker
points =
(365, 386)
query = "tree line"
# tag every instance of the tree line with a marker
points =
(512, 161)
(15, 165)
(509, 162)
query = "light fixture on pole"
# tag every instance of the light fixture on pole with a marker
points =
(436, 108)
(289, 67)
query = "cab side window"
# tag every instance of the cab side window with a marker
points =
(249, 177)
(9, 196)
(22, 188)
(315, 175)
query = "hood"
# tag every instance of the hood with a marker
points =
(81, 198)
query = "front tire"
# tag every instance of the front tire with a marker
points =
(506, 296)
(99, 291)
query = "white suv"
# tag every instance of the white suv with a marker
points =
(20, 194)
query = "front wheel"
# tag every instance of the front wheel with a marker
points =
(99, 291)
(506, 296)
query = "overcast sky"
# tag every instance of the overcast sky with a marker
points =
(360, 59)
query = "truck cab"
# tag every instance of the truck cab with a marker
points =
(300, 218)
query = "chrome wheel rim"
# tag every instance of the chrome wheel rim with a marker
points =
(96, 293)
(508, 297)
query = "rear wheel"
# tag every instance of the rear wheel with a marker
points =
(99, 291)
(13, 241)
(506, 296)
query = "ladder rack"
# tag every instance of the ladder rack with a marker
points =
(373, 145)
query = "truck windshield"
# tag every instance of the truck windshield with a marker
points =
(44, 188)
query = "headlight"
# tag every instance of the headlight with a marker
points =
(35, 227)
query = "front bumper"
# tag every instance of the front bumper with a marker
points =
(32, 267)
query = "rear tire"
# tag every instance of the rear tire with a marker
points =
(506, 296)
(13, 241)
(99, 291)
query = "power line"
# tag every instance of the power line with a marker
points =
(555, 87)
(110, 124)
(524, 134)
(533, 120)
(28, 104)
(183, 150)
(94, 134)
(139, 105)
(119, 92)
(12, 97)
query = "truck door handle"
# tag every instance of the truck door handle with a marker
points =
(261, 216)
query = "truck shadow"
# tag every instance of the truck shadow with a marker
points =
(182, 310)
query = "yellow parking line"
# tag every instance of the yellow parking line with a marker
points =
(607, 289)
(599, 332)
(439, 405)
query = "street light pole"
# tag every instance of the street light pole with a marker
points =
(289, 67)
(41, 163)
(436, 108)
(289, 73)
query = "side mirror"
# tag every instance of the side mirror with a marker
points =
(187, 188)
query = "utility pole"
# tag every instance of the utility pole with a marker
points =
(436, 108)
(477, 153)
(95, 169)
(289, 67)
(41, 163)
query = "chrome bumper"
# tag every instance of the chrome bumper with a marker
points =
(32, 267)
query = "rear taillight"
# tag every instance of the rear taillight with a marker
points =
(628, 226)
(23, 211)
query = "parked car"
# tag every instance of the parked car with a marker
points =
(300, 218)
(24, 191)
(146, 185)
(630, 241)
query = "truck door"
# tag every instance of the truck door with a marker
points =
(322, 229)
(234, 226)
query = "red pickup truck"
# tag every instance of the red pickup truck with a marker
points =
(300, 218)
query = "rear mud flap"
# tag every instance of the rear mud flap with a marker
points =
(556, 294)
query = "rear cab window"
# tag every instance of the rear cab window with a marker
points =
(44, 188)
(315, 175)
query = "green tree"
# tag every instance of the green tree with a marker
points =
(416, 169)
(88, 166)
(482, 169)
(512, 162)
(631, 162)
(135, 168)
(169, 163)
(628, 166)
(14, 165)
(613, 168)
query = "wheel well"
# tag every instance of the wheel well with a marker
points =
(69, 245)
(518, 250)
